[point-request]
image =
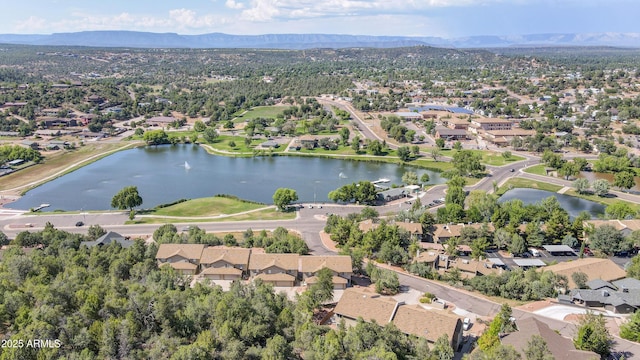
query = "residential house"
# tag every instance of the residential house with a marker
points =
(340, 266)
(270, 144)
(443, 232)
(415, 229)
(109, 238)
(224, 263)
(162, 121)
(14, 104)
(626, 227)
(623, 301)
(594, 268)
(410, 319)
(277, 269)
(450, 134)
(185, 258)
(55, 123)
(31, 144)
(559, 346)
(308, 141)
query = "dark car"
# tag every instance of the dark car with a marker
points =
(512, 170)
(79, 223)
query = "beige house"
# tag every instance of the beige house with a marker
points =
(410, 319)
(594, 268)
(559, 346)
(185, 258)
(488, 124)
(267, 266)
(340, 266)
(415, 229)
(224, 263)
(443, 232)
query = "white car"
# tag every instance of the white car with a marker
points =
(466, 324)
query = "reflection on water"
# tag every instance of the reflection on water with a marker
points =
(573, 205)
(159, 181)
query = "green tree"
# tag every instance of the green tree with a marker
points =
(283, 197)
(375, 147)
(569, 169)
(95, 231)
(581, 185)
(440, 143)
(631, 329)
(435, 153)
(600, 187)
(620, 210)
(127, 198)
(424, 178)
(410, 178)
(210, 134)
(537, 349)
(624, 180)
(344, 135)
(442, 350)
(593, 335)
(199, 126)
(506, 155)
(322, 289)
(404, 153)
(468, 163)
(518, 245)
(277, 348)
(633, 269)
(155, 137)
(457, 146)
(355, 143)
(608, 239)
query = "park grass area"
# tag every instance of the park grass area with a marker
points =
(602, 200)
(223, 143)
(492, 158)
(268, 112)
(536, 170)
(57, 162)
(265, 214)
(209, 206)
(527, 183)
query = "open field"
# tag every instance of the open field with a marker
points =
(56, 163)
(269, 112)
(526, 183)
(210, 206)
(492, 158)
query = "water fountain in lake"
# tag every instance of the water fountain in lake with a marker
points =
(187, 166)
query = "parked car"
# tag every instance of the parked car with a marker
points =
(432, 204)
(466, 324)
(79, 223)
(512, 170)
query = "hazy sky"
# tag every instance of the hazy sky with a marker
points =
(446, 18)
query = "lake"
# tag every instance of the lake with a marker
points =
(164, 174)
(573, 205)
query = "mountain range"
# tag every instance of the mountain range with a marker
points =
(136, 39)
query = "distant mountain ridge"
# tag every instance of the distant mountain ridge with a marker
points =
(139, 39)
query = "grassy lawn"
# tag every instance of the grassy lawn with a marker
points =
(56, 162)
(266, 214)
(342, 150)
(210, 206)
(526, 183)
(601, 200)
(492, 158)
(537, 170)
(269, 112)
(223, 142)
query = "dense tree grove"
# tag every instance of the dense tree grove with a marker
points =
(111, 302)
